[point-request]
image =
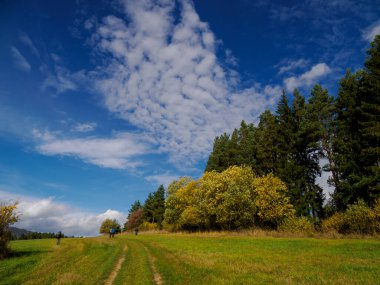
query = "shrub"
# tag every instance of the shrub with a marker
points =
(147, 226)
(108, 224)
(297, 225)
(334, 223)
(7, 218)
(358, 218)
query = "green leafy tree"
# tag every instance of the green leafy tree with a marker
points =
(108, 224)
(177, 184)
(8, 216)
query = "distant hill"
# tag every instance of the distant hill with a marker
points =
(18, 232)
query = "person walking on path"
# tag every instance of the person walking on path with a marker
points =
(112, 233)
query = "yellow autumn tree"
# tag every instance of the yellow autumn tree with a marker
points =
(271, 202)
(8, 217)
(229, 197)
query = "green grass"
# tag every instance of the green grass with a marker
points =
(194, 259)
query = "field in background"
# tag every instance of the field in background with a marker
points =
(193, 259)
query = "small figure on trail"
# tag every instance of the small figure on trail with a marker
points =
(112, 233)
(59, 236)
(136, 230)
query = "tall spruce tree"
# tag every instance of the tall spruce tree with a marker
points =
(306, 168)
(347, 142)
(218, 158)
(266, 140)
(154, 207)
(321, 114)
(369, 125)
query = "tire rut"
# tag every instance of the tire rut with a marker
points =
(116, 268)
(156, 274)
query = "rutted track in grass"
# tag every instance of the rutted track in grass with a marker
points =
(116, 269)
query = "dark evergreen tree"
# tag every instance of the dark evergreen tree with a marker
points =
(266, 141)
(154, 207)
(369, 125)
(135, 206)
(346, 144)
(246, 145)
(305, 162)
(218, 159)
(321, 114)
(357, 143)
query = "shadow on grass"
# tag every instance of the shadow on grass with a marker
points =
(27, 253)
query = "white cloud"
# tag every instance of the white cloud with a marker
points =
(25, 39)
(84, 127)
(61, 80)
(48, 215)
(117, 152)
(308, 78)
(163, 76)
(370, 32)
(19, 60)
(290, 65)
(162, 179)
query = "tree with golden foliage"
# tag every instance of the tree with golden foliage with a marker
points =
(232, 199)
(8, 217)
(271, 202)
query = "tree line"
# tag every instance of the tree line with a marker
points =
(343, 130)
(265, 175)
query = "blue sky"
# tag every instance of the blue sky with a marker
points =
(103, 101)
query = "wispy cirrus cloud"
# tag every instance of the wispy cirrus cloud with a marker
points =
(118, 152)
(371, 31)
(84, 127)
(25, 39)
(19, 60)
(48, 215)
(308, 78)
(163, 76)
(291, 65)
(162, 179)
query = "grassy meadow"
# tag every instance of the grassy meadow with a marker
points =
(193, 259)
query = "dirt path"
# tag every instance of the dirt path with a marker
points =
(116, 269)
(156, 275)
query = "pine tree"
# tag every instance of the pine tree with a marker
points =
(154, 207)
(135, 206)
(218, 159)
(369, 125)
(306, 168)
(347, 142)
(321, 113)
(266, 140)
